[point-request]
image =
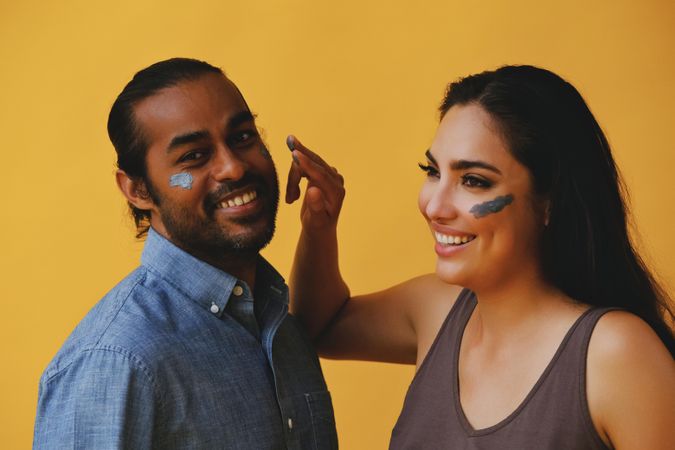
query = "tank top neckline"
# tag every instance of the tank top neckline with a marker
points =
(466, 425)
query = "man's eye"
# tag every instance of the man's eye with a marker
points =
(429, 170)
(475, 181)
(193, 156)
(242, 138)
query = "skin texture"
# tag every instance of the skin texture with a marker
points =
(520, 319)
(204, 127)
(491, 207)
(183, 180)
(265, 152)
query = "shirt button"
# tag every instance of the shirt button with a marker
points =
(214, 308)
(290, 423)
(238, 290)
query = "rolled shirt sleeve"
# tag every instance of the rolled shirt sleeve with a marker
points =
(105, 399)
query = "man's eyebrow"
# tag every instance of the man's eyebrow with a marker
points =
(186, 138)
(239, 118)
(463, 164)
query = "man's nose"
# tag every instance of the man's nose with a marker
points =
(227, 165)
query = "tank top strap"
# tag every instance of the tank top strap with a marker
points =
(574, 351)
(451, 330)
(452, 327)
(583, 338)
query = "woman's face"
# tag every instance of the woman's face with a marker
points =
(479, 203)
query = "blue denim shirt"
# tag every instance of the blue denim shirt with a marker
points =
(160, 362)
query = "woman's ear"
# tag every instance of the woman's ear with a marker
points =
(134, 190)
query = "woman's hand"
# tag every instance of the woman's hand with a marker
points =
(325, 188)
(317, 290)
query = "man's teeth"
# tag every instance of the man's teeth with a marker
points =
(453, 240)
(239, 200)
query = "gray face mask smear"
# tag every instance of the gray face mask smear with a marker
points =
(491, 207)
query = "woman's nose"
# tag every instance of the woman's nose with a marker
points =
(442, 204)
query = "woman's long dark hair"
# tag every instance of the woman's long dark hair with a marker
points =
(586, 248)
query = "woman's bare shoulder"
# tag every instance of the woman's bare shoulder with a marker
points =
(428, 295)
(434, 300)
(621, 337)
(630, 369)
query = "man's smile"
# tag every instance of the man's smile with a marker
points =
(238, 199)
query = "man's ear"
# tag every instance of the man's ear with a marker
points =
(134, 190)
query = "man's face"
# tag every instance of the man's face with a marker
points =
(213, 183)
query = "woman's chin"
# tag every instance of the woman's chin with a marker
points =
(449, 274)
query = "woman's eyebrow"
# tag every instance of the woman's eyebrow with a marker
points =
(463, 164)
(430, 156)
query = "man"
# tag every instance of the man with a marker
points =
(194, 349)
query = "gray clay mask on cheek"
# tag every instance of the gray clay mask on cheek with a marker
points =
(182, 180)
(491, 207)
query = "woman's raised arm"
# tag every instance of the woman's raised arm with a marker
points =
(394, 325)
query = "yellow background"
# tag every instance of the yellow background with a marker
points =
(357, 81)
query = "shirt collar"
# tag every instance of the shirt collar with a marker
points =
(199, 280)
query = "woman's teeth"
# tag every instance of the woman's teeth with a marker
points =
(239, 200)
(447, 239)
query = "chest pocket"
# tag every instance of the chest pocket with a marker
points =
(310, 420)
(323, 422)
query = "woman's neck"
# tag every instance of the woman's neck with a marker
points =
(514, 309)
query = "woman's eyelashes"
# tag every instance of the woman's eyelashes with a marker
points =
(430, 170)
(469, 180)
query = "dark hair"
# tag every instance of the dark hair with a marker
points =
(586, 248)
(125, 133)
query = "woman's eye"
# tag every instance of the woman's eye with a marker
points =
(475, 181)
(429, 170)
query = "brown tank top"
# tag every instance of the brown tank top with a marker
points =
(554, 415)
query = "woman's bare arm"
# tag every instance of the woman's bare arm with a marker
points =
(394, 325)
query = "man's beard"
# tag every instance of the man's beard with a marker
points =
(206, 237)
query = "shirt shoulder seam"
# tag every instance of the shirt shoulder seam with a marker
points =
(112, 319)
(136, 360)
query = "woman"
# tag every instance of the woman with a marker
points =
(559, 339)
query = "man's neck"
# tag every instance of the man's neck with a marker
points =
(239, 265)
(242, 267)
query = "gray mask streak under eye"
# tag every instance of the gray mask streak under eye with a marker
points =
(491, 207)
(183, 180)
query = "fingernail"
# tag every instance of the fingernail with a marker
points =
(295, 159)
(290, 142)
